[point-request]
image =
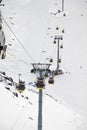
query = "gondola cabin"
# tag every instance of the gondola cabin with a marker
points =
(51, 80)
(63, 31)
(46, 74)
(61, 46)
(54, 42)
(59, 60)
(51, 60)
(55, 72)
(21, 86)
(60, 72)
(40, 83)
(57, 28)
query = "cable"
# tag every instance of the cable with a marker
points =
(47, 37)
(22, 62)
(9, 70)
(25, 73)
(18, 59)
(44, 42)
(12, 56)
(18, 40)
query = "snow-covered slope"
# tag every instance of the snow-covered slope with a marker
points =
(34, 25)
(20, 111)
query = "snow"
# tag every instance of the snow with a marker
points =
(16, 111)
(21, 113)
(64, 102)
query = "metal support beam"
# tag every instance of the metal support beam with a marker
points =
(58, 38)
(40, 110)
(40, 68)
(58, 55)
(62, 5)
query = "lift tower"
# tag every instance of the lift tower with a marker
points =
(40, 68)
(62, 5)
(57, 39)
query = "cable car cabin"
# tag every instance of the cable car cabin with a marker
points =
(60, 71)
(51, 60)
(56, 72)
(57, 28)
(33, 71)
(63, 31)
(21, 86)
(61, 46)
(51, 80)
(54, 42)
(46, 74)
(40, 83)
(59, 60)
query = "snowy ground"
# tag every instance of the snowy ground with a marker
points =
(34, 24)
(21, 111)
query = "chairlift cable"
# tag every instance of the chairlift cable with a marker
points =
(18, 59)
(22, 62)
(18, 40)
(13, 72)
(9, 70)
(12, 56)
(25, 73)
(46, 46)
(44, 42)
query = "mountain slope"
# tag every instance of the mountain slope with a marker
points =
(34, 25)
(19, 111)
